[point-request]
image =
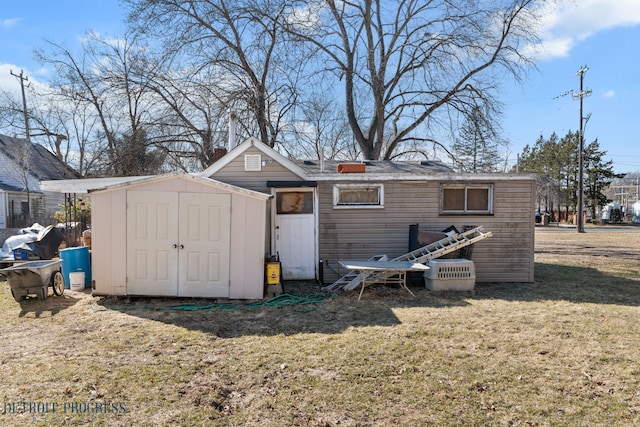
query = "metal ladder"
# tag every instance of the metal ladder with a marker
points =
(352, 279)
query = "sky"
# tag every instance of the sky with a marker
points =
(602, 35)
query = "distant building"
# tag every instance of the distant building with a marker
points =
(22, 167)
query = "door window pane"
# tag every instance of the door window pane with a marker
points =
(294, 202)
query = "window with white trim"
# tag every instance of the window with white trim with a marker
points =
(358, 196)
(461, 199)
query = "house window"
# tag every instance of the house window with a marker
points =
(467, 199)
(252, 162)
(358, 196)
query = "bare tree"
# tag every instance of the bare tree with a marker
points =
(320, 131)
(100, 79)
(9, 110)
(419, 62)
(188, 114)
(78, 82)
(61, 125)
(237, 41)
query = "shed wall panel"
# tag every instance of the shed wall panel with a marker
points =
(108, 242)
(248, 225)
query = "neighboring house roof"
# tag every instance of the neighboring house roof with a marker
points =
(9, 187)
(41, 163)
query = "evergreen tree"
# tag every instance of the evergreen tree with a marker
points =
(476, 148)
(555, 161)
(599, 175)
(548, 159)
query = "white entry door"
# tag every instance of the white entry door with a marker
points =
(178, 244)
(295, 233)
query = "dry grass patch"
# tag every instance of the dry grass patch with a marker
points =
(560, 351)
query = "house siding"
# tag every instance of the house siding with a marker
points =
(362, 233)
(53, 202)
(13, 210)
(411, 196)
(234, 173)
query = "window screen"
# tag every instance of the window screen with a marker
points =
(356, 195)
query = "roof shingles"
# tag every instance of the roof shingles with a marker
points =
(41, 163)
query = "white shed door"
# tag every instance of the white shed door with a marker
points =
(205, 237)
(152, 232)
(178, 244)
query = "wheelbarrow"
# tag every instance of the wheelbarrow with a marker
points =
(34, 277)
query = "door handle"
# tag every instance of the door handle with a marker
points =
(174, 246)
(181, 246)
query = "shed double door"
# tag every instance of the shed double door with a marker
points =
(178, 244)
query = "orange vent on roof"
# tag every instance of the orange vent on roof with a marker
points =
(351, 167)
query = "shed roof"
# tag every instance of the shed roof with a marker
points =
(84, 185)
(112, 184)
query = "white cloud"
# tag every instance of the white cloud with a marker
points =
(551, 48)
(569, 22)
(609, 94)
(8, 23)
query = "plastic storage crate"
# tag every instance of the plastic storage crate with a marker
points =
(450, 275)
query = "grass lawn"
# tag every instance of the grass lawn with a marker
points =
(563, 351)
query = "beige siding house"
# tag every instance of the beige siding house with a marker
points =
(318, 213)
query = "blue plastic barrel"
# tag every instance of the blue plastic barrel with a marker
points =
(75, 260)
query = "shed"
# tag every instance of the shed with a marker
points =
(178, 235)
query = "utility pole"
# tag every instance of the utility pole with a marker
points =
(581, 94)
(23, 79)
(27, 153)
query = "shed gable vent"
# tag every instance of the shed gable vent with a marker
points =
(252, 162)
